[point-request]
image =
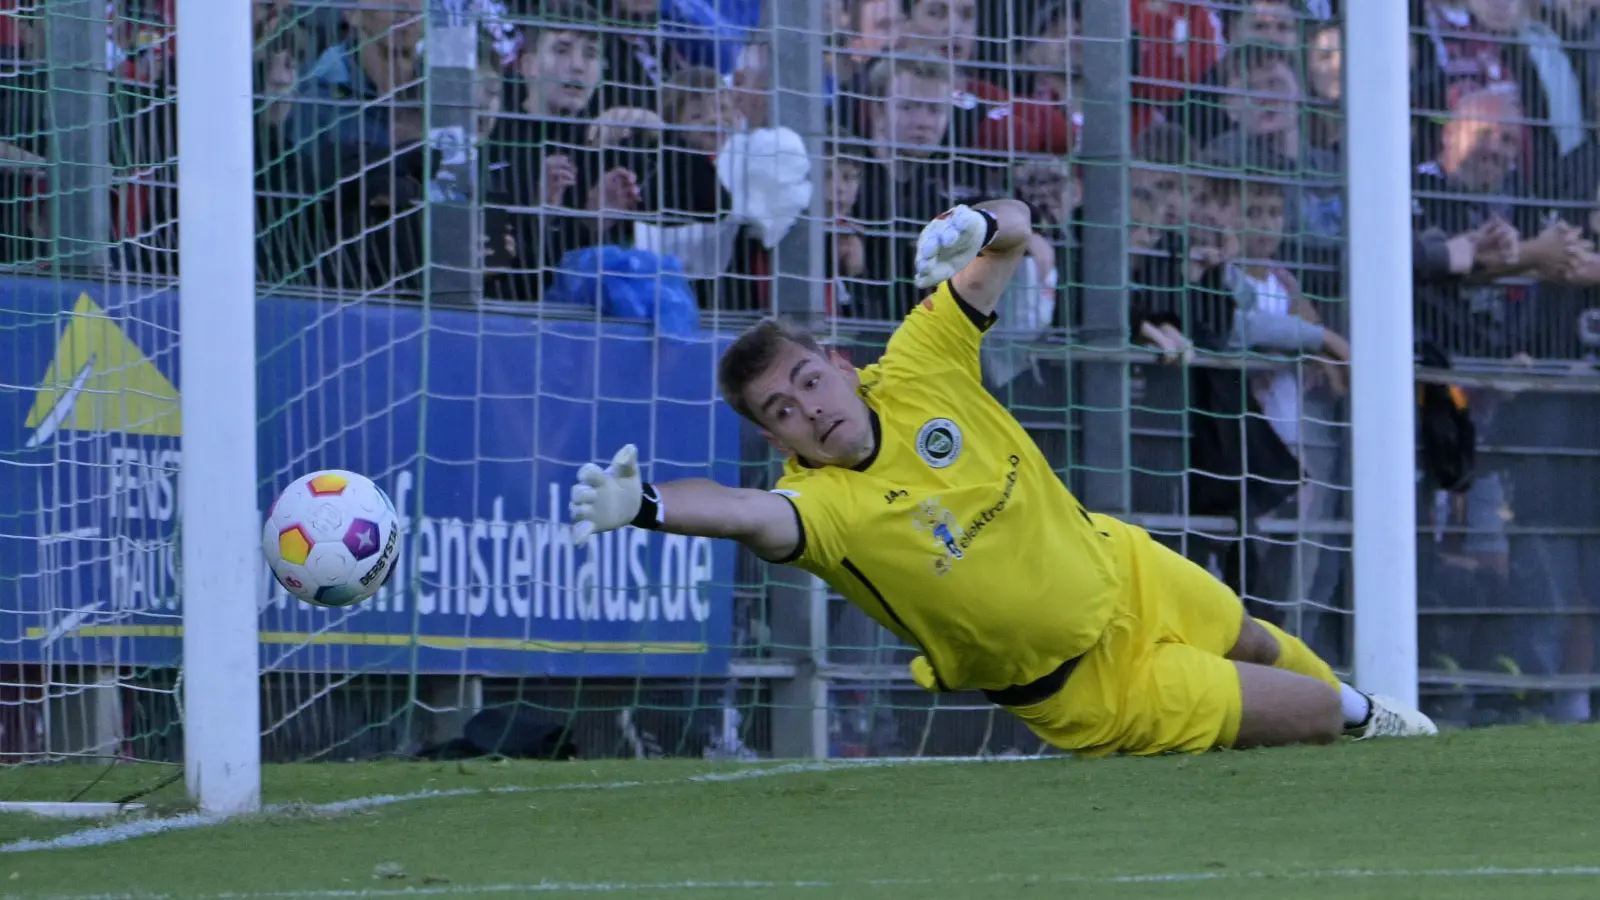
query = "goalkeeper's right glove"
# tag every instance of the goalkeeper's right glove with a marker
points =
(606, 499)
(951, 241)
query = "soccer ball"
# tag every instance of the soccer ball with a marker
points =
(331, 538)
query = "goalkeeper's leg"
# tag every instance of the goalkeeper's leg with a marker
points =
(1265, 644)
(1196, 609)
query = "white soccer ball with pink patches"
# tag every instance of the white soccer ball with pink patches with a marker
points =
(331, 538)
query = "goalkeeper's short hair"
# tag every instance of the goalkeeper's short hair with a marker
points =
(751, 354)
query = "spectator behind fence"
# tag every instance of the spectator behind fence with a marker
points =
(912, 177)
(1182, 295)
(549, 152)
(142, 148)
(1266, 134)
(874, 27)
(1578, 22)
(1048, 75)
(1050, 72)
(984, 114)
(1561, 308)
(360, 100)
(1177, 43)
(1501, 44)
(751, 84)
(25, 146)
(1324, 64)
(1471, 184)
(638, 57)
(383, 241)
(1157, 153)
(1300, 401)
(1054, 191)
(688, 209)
(1031, 304)
(1259, 24)
(847, 250)
(288, 236)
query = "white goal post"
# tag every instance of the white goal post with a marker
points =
(220, 534)
(1382, 408)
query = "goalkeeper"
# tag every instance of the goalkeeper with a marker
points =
(917, 496)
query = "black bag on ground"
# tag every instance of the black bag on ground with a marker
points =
(514, 733)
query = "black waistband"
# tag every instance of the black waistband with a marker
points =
(1041, 688)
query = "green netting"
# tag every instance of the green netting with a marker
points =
(1190, 266)
(89, 466)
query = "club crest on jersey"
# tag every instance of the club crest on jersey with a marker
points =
(939, 442)
(938, 523)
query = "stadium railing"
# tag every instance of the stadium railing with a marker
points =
(419, 188)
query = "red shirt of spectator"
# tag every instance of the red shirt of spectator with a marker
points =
(1469, 58)
(949, 29)
(1178, 43)
(1022, 126)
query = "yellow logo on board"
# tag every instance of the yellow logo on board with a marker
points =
(100, 381)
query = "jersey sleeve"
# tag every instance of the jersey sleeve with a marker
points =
(822, 511)
(941, 333)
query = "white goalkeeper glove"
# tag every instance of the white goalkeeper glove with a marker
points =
(606, 499)
(949, 242)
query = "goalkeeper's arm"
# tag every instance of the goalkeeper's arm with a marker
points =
(607, 499)
(977, 248)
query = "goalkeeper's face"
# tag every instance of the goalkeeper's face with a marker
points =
(810, 406)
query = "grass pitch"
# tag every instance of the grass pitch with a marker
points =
(1485, 814)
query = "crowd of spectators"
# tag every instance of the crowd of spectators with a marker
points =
(603, 121)
(625, 122)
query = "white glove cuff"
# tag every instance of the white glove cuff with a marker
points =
(991, 226)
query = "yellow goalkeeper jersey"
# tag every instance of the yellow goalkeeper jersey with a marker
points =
(955, 534)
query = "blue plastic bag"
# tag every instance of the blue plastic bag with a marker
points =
(627, 283)
(710, 33)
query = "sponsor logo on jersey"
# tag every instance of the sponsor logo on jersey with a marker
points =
(950, 538)
(939, 523)
(939, 442)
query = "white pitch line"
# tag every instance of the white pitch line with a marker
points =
(102, 835)
(621, 887)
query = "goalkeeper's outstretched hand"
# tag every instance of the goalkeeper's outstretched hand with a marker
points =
(948, 243)
(606, 499)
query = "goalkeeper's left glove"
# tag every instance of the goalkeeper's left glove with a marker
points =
(950, 242)
(606, 499)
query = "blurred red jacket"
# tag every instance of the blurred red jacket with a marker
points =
(1178, 43)
(1018, 125)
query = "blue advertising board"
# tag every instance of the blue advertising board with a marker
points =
(474, 423)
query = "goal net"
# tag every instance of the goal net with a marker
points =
(89, 609)
(483, 263)
(497, 240)
(434, 312)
